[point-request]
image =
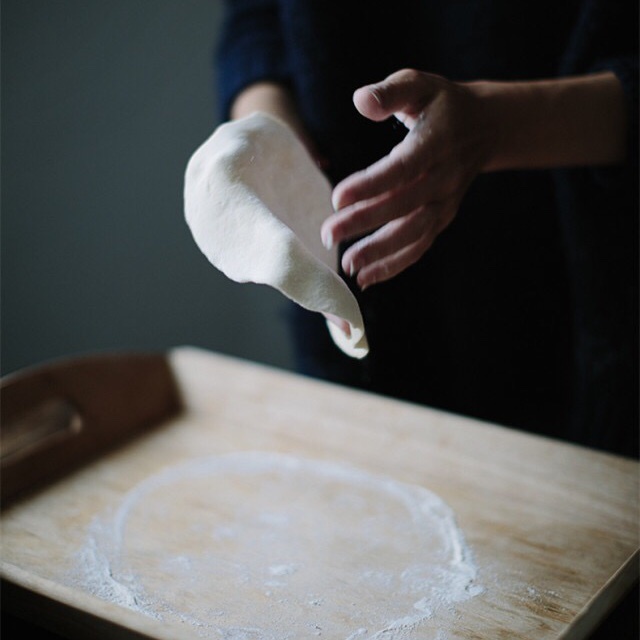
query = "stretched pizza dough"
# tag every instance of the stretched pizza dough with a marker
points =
(255, 202)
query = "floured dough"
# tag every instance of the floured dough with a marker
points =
(255, 202)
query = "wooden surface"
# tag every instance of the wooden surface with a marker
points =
(61, 415)
(553, 527)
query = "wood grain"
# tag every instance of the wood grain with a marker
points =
(553, 527)
(61, 415)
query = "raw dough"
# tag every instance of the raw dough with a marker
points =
(255, 202)
(260, 545)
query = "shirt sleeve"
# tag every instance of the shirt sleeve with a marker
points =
(605, 38)
(250, 49)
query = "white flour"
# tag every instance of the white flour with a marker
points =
(259, 545)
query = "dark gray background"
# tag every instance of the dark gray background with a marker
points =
(103, 103)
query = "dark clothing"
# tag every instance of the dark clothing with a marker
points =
(525, 310)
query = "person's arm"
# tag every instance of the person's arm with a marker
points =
(270, 97)
(456, 131)
(251, 50)
(253, 66)
(276, 100)
(578, 121)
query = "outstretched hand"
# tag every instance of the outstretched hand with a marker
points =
(399, 205)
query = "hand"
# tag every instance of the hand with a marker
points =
(402, 202)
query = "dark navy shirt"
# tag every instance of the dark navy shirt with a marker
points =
(525, 310)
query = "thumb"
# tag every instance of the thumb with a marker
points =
(404, 92)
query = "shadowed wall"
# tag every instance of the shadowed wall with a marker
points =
(102, 105)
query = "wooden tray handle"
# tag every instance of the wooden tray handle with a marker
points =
(63, 414)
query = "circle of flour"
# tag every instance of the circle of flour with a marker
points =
(260, 545)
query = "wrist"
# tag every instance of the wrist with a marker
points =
(275, 100)
(265, 96)
(497, 109)
(578, 121)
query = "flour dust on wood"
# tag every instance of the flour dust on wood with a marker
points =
(260, 545)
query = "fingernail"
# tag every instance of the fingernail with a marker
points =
(375, 92)
(327, 239)
(352, 269)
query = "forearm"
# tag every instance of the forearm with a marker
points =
(276, 100)
(266, 96)
(579, 121)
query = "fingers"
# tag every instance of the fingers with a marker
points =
(405, 94)
(397, 245)
(341, 323)
(406, 198)
(401, 167)
(367, 215)
(392, 265)
(405, 91)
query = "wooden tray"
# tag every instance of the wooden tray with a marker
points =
(553, 527)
